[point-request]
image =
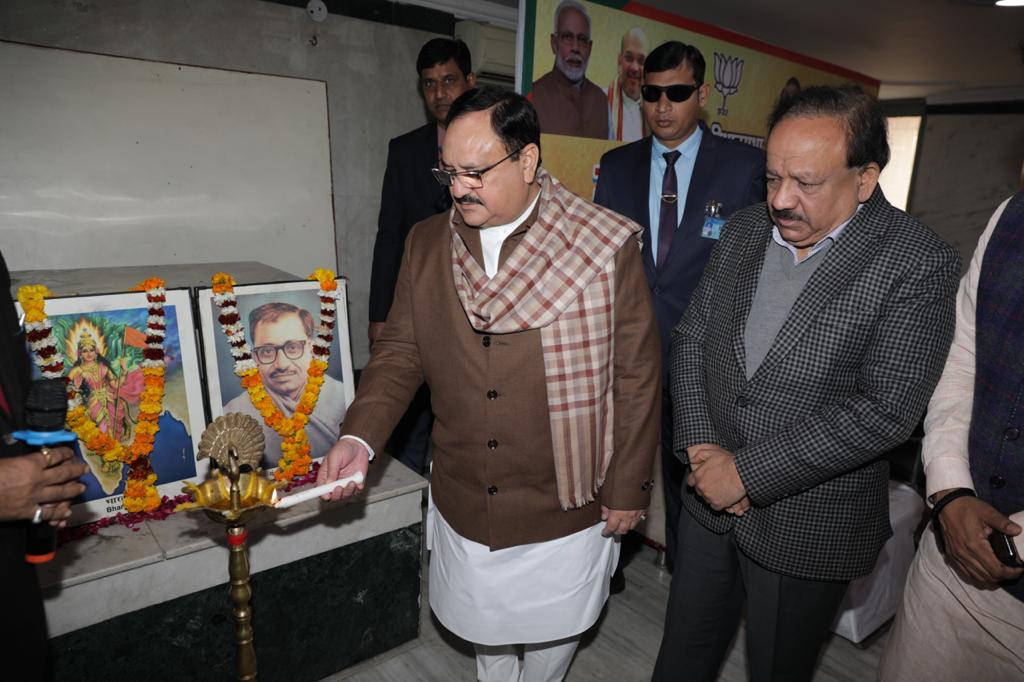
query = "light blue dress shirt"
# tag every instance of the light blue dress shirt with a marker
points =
(684, 171)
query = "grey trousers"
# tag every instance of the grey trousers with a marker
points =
(787, 622)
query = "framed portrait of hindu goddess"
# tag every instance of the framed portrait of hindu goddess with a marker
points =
(280, 353)
(105, 341)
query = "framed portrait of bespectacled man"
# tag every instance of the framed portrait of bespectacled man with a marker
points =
(280, 321)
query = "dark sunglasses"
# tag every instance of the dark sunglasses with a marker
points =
(675, 93)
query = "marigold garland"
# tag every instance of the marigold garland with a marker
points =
(295, 450)
(140, 489)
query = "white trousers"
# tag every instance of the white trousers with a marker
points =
(947, 630)
(542, 662)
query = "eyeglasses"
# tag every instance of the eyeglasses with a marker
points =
(471, 179)
(293, 350)
(567, 38)
(676, 93)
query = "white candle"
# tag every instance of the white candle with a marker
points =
(313, 493)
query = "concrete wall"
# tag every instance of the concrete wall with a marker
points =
(369, 69)
(967, 165)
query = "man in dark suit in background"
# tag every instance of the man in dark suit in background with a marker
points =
(812, 344)
(409, 195)
(711, 178)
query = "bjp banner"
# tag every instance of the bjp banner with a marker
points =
(603, 110)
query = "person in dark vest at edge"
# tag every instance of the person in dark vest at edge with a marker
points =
(35, 487)
(963, 612)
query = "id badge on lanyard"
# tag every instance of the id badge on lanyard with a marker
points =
(713, 220)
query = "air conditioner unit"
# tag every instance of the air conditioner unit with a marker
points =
(493, 50)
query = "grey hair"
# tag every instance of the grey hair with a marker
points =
(635, 32)
(569, 4)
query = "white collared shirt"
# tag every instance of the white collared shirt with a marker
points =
(491, 238)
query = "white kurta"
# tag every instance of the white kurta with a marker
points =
(526, 594)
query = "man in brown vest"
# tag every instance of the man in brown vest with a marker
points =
(526, 311)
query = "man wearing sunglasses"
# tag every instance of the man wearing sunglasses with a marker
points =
(410, 194)
(566, 101)
(526, 312)
(709, 174)
(282, 346)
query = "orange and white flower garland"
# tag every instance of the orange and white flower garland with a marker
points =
(295, 450)
(140, 490)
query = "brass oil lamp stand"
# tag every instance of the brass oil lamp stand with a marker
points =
(233, 497)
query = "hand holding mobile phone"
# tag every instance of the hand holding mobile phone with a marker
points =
(1005, 549)
(1009, 550)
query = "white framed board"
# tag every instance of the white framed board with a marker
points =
(112, 161)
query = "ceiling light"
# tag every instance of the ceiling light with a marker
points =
(1010, 3)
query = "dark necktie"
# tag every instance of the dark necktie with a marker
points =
(667, 221)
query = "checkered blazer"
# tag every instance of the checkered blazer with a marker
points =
(846, 379)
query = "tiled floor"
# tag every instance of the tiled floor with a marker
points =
(620, 648)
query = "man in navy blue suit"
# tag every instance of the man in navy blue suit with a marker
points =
(411, 194)
(682, 207)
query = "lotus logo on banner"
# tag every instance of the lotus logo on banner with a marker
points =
(728, 72)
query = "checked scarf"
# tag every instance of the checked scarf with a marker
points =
(560, 279)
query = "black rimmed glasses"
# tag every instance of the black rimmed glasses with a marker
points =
(675, 93)
(471, 179)
(267, 354)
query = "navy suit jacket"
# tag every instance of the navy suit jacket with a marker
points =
(410, 194)
(725, 171)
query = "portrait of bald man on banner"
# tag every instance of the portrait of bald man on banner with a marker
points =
(625, 115)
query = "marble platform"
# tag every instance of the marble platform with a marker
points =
(336, 583)
(91, 281)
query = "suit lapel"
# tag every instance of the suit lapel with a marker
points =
(696, 195)
(748, 272)
(426, 158)
(844, 260)
(641, 195)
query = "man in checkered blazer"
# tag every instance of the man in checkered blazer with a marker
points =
(809, 349)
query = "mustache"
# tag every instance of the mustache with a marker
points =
(469, 199)
(787, 214)
(282, 372)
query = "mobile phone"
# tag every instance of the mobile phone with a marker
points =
(1005, 549)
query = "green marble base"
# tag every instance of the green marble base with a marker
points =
(312, 618)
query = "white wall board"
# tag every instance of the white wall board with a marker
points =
(110, 161)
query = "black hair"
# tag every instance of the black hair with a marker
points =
(513, 118)
(672, 55)
(439, 50)
(867, 137)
